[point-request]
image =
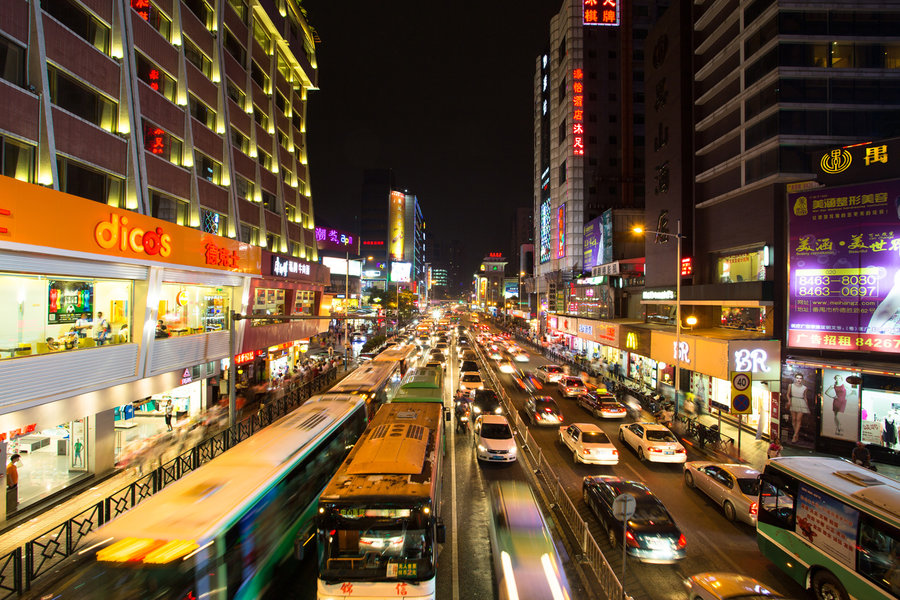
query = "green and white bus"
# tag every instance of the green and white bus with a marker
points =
(423, 384)
(219, 532)
(833, 526)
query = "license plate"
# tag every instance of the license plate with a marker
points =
(498, 458)
(670, 452)
(658, 544)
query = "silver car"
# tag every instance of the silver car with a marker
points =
(733, 487)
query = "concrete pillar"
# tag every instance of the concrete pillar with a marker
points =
(101, 436)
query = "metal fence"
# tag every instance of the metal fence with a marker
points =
(593, 557)
(44, 552)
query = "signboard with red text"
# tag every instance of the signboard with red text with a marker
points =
(600, 12)
(578, 112)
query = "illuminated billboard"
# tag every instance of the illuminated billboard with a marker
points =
(338, 266)
(328, 238)
(578, 112)
(561, 227)
(592, 242)
(396, 225)
(844, 268)
(546, 230)
(401, 272)
(600, 12)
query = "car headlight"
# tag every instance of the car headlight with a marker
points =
(481, 448)
(480, 387)
(512, 450)
(476, 409)
(498, 410)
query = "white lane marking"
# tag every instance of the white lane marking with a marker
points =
(454, 552)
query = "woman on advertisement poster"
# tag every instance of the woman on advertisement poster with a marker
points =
(838, 395)
(843, 395)
(797, 396)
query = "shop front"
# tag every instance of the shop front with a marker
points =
(707, 364)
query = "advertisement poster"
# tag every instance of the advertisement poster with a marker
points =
(840, 404)
(880, 417)
(561, 228)
(828, 524)
(607, 221)
(798, 405)
(845, 268)
(401, 272)
(592, 242)
(775, 417)
(397, 220)
(67, 300)
(546, 230)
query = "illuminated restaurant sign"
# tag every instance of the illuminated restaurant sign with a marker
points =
(285, 267)
(96, 228)
(328, 238)
(561, 227)
(845, 268)
(578, 112)
(546, 230)
(600, 12)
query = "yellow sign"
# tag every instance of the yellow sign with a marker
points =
(740, 393)
(397, 218)
(836, 161)
(631, 340)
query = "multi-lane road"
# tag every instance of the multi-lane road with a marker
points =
(465, 566)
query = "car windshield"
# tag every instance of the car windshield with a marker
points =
(594, 437)
(573, 382)
(610, 405)
(750, 487)
(542, 403)
(470, 377)
(496, 431)
(655, 435)
(650, 512)
(554, 369)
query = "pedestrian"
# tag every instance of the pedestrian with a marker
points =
(774, 450)
(169, 410)
(12, 471)
(77, 458)
(861, 456)
(103, 329)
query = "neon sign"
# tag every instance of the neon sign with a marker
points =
(222, 257)
(334, 239)
(154, 140)
(142, 8)
(244, 358)
(600, 12)
(561, 227)
(495, 255)
(687, 266)
(545, 230)
(578, 112)
(112, 233)
(153, 77)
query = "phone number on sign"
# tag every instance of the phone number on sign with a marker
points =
(852, 291)
(842, 341)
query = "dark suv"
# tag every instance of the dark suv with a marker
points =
(486, 402)
(651, 535)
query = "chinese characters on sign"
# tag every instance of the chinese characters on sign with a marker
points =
(687, 266)
(142, 8)
(545, 230)
(828, 524)
(600, 12)
(154, 140)
(845, 268)
(283, 267)
(328, 238)
(561, 227)
(220, 257)
(578, 112)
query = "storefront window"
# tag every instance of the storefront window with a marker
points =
(268, 302)
(748, 266)
(744, 317)
(191, 309)
(880, 416)
(660, 313)
(50, 314)
(304, 302)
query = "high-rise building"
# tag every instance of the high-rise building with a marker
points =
(159, 146)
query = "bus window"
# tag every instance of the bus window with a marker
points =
(776, 500)
(879, 554)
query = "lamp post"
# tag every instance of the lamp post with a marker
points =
(678, 237)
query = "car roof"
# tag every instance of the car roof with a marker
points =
(547, 399)
(587, 427)
(728, 585)
(621, 485)
(739, 471)
(495, 419)
(651, 426)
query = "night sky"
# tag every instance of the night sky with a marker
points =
(442, 93)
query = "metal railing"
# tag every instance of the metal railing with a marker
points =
(593, 557)
(44, 552)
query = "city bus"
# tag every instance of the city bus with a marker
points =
(379, 521)
(422, 384)
(376, 382)
(220, 531)
(831, 525)
(404, 356)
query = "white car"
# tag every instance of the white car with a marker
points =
(506, 366)
(470, 381)
(652, 442)
(549, 373)
(571, 387)
(725, 586)
(733, 487)
(520, 355)
(589, 444)
(494, 441)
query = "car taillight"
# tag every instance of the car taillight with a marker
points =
(585, 451)
(754, 509)
(681, 541)
(631, 541)
(652, 449)
(560, 418)
(615, 452)
(679, 451)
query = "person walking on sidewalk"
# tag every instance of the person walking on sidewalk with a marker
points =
(12, 471)
(169, 411)
(77, 458)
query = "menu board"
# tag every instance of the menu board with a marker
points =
(66, 300)
(845, 268)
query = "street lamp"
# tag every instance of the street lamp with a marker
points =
(678, 237)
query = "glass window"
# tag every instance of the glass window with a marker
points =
(157, 79)
(260, 35)
(284, 68)
(207, 168)
(202, 112)
(259, 76)
(776, 500)
(283, 140)
(268, 302)
(261, 118)
(61, 313)
(280, 102)
(264, 159)
(197, 58)
(151, 13)
(202, 10)
(161, 143)
(249, 234)
(90, 183)
(12, 62)
(270, 202)
(240, 7)
(236, 93)
(304, 302)
(80, 100)
(212, 222)
(234, 48)
(748, 318)
(16, 159)
(169, 209)
(244, 188)
(746, 266)
(191, 309)
(82, 23)
(879, 553)
(240, 141)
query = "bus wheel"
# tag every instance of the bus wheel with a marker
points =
(827, 587)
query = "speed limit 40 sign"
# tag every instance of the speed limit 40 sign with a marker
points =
(740, 393)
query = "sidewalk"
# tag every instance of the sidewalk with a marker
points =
(53, 517)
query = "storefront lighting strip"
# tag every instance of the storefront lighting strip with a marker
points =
(841, 368)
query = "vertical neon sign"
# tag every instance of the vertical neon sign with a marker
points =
(561, 227)
(578, 113)
(546, 226)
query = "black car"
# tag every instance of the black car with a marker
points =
(462, 342)
(468, 365)
(543, 410)
(651, 535)
(486, 402)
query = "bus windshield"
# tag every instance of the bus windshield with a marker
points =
(375, 548)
